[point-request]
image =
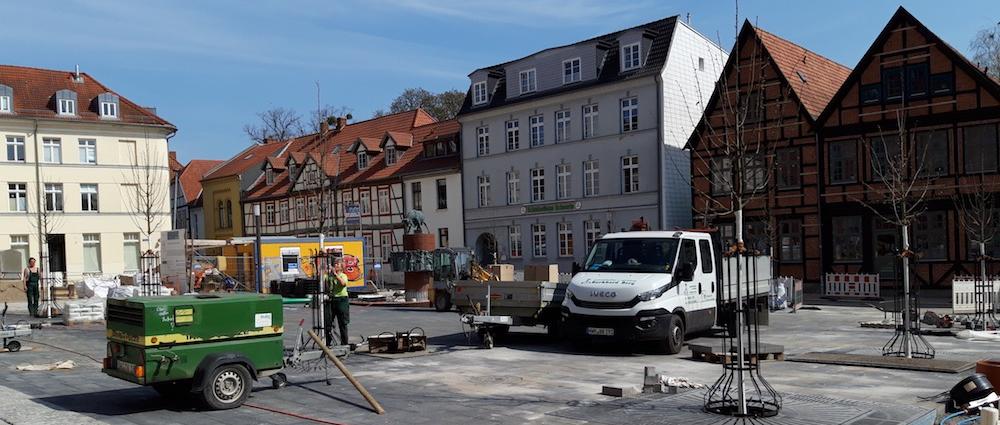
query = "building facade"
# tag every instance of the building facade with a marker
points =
(222, 189)
(909, 85)
(186, 192)
(85, 170)
(379, 169)
(780, 88)
(566, 144)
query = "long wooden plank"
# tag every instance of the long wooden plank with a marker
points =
(347, 374)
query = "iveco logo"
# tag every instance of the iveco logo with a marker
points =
(603, 294)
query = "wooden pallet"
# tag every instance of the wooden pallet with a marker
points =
(716, 354)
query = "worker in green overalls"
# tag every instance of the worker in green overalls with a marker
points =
(337, 304)
(30, 276)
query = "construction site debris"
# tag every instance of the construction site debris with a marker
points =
(620, 391)
(85, 310)
(66, 364)
(978, 335)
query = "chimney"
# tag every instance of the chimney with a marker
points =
(341, 123)
(268, 140)
(173, 155)
(76, 75)
(323, 127)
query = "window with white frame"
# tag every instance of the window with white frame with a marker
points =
(513, 188)
(88, 197)
(66, 102)
(631, 58)
(571, 70)
(591, 178)
(108, 104)
(6, 99)
(630, 174)
(562, 125)
(591, 233)
(537, 185)
(91, 252)
(19, 243)
(269, 214)
(630, 114)
(538, 248)
(88, 151)
(483, 140)
(300, 209)
(5, 104)
(362, 160)
(479, 95)
(385, 245)
(383, 201)
(590, 120)
(283, 216)
(313, 211)
(513, 135)
(484, 190)
(390, 155)
(537, 123)
(17, 194)
(527, 78)
(52, 150)
(565, 239)
(15, 148)
(366, 201)
(53, 197)
(562, 181)
(514, 241)
(131, 251)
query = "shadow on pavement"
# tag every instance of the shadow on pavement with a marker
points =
(118, 402)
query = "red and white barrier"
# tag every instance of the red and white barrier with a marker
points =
(851, 285)
(963, 294)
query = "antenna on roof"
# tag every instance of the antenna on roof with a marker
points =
(688, 18)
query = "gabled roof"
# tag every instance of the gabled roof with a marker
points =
(275, 163)
(662, 32)
(813, 78)
(191, 175)
(371, 144)
(398, 137)
(248, 158)
(34, 97)
(901, 16)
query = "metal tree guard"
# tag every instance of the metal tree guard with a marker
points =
(742, 391)
(984, 296)
(907, 340)
(149, 274)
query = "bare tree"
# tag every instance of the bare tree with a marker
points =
(324, 113)
(986, 50)
(275, 124)
(48, 210)
(977, 214)
(149, 185)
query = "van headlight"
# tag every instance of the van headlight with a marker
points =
(569, 294)
(654, 294)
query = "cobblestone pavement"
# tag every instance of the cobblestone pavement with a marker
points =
(528, 378)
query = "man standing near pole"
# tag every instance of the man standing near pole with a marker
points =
(337, 304)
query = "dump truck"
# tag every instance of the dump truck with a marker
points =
(212, 346)
(658, 286)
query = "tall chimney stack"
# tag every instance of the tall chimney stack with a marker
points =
(341, 123)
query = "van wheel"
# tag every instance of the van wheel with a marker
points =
(442, 301)
(674, 340)
(228, 387)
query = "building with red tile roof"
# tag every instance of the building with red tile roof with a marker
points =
(186, 191)
(94, 158)
(380, 168)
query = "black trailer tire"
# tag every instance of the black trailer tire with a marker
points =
(13, 346)
(227, 387)
(442, 301)
(674, 341)
(173, 390)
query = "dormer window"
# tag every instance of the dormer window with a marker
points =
(269, 176)
(6, 99)
(362, 160)
(108, 105)
(571, 70)
(66, 102)
(631, 57)
(479, 95)
(527, 78)
(391, 155)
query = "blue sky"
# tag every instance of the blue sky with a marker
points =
(209, 66)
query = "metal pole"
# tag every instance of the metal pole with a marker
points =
(741, 396)
(258, 262)
(906, 291)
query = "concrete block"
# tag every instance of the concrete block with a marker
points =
(620, 391)
(505, 272)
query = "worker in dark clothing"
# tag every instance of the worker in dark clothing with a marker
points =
(30, 276)
(336, 305)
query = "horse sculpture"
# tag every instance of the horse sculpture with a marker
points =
(413, 222)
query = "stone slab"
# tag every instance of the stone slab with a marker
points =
(864, 360)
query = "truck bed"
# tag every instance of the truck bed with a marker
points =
(522, 299)
(752, 267)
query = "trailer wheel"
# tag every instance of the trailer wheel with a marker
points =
(442, 301)
(674, 340)
(13, 346)
(228, 387)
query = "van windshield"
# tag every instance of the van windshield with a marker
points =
(645, 255)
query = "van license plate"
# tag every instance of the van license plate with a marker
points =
(601, 331)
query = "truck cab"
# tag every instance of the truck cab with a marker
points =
(651, 287)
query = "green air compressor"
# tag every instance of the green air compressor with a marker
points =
(213, 346)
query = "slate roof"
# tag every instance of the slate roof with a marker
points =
(662, 31)
(35, 90)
